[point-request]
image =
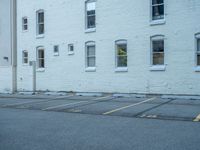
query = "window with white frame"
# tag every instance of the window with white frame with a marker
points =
(157, 9)
(121, 53)
(24, 23)
(25, 57)
(70, 49)
(158, 50)
(40, 57)
(56, 50)
(198, 49)
(90, 14)
(40, 22)
(90, 54)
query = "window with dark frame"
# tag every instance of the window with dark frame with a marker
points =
(56, 49)
(40, 58)
(70, 48)
(157, 9)
(158, 52)
(198, 52)
(121, 54)
(90, 56)
(25, 57)
(40, 22)
(24, 24)
(90, 14)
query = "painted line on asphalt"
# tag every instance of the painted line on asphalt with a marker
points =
(197, 119)
(61, 97)
(68, 104)
(100, 98)
(128, 106)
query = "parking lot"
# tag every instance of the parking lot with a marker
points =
(42, 122)
(144, 108)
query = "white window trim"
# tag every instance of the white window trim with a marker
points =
(23, 24)
(158, 21)
(25, 64)
(89, 30)
(37, 24)
(152, 66)
(87, 68)
(121, 69)
(37, 60)
(70, 52)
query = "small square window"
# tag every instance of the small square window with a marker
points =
(70, 49)
(56, 50)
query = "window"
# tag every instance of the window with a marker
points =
(25, 57)
(121, 53)
(40, 22)
(24, 24)
(198, 50)
(90, 14)
(90, 54)
(40, 57)
(56, 50)
(70, 49)
(157, 43)
(157, 9)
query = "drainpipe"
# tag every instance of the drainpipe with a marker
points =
(13, 17)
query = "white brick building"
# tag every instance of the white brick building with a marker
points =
(129, 46)
(7, 46)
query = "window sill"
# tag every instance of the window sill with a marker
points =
(197, 69)
(25, 64)
(90, 69)
(40, 70)
(56, 54)
(121, 69)
(24, 31)
(90, 30)
(157, 22)
(158, 68)
(39, 36)
(70, 53)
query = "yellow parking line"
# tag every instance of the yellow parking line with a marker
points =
(53, 107)
(197, 119)
(121, 108)
(100, 98)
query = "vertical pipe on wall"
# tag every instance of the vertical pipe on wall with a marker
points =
(13, 20)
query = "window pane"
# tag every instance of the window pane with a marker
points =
(25, 27)
(91, 62)
(122, 49)
(198, 59)
(41, 28)
(158, 59)
(41, 54)
(25, 21)
(91, 21)
(158, 46)
(41, 17)
(158, 12)
(91, 51)
(157, 2)
(71, 48)
(122, 61)
(41, 63)
(25, 60)
(25, 54)
(56, 49)
(198, 45)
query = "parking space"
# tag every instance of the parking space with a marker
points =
(150, 108)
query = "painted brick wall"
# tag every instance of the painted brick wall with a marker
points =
(116, 19)
(5, 79)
